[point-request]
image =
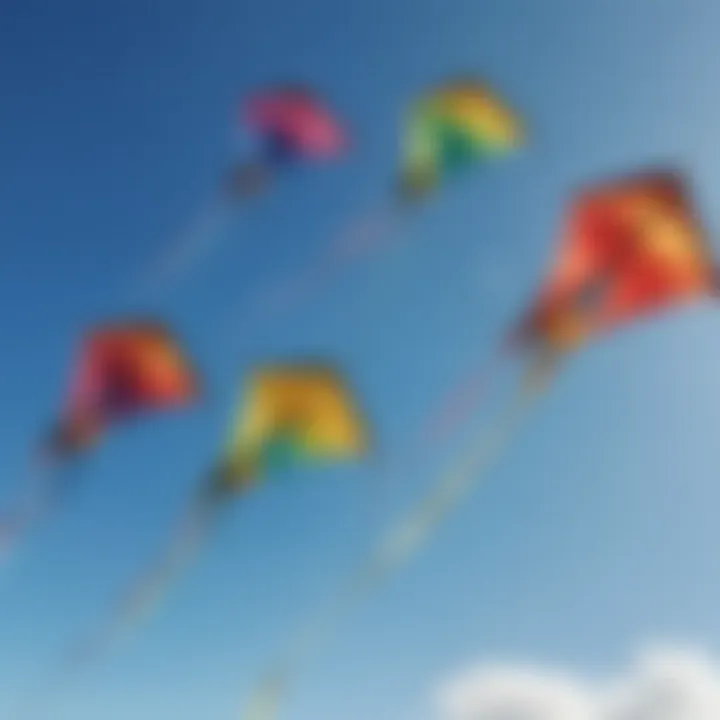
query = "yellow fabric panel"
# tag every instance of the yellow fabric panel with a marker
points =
(671, 235)
(481, 113)
(310, 401)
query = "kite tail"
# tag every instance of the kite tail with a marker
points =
(403, 541)
(148, 591)
(184, 252)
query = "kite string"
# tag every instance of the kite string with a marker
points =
(15, 526)
(186, 250)
(456, 407)
(131, 609)
(403, 541)
(147, 591)
(290, 293)
(460, 402)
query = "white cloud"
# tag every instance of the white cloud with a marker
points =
(514, 693)
(662, 684)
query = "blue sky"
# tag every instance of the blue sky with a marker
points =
(596, 532)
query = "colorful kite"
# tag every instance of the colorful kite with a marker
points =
(291, 125)
(630, 249)
(292, 415)
(124, 370)
(452, 128)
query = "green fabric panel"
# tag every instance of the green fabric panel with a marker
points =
(457, 148)
(282, 452)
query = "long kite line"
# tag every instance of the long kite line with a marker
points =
(184, 252)
(402, 542)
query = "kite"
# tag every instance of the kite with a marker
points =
(290, 126)
(291, 415)
(447, 131)
(124, 370)
(630, 249)
(459, 125)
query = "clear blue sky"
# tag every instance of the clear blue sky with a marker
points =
(597, 531)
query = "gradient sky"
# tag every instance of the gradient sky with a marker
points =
(596, 532)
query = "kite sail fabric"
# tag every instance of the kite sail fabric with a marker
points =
(291, 124)
(124, 369)
(629, 249)
(297, 121)
(452, 128)
(295, 414)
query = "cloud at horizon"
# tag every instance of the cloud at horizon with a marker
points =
(662, 683)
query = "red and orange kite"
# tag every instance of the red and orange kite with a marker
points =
(124, 369)
(630, 249)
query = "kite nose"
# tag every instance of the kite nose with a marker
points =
(222, 483)
(69, 438)
(53, 446)
(413, 187)
(248, 180)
